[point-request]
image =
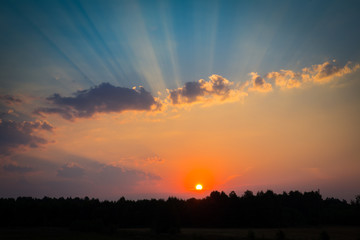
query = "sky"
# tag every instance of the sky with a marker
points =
(147, 99)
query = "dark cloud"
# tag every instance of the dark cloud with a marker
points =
(71, 170)
(17, 169)
(15, 134)
(190, 91)
(65, 112)
(217, 87)
(104, 98)
(10, 100)
(259, 81)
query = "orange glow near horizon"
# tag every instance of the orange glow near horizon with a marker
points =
(199, 179)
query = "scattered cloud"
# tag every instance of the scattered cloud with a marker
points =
(217, 88)
(104, 98)
(15, 134)
(257, 83)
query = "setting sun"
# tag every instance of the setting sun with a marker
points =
(199, 179)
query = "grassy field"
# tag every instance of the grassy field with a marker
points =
(334, 233)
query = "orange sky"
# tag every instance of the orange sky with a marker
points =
(299, 138)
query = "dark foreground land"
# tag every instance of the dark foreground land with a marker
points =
(320, 233)
(266, 215)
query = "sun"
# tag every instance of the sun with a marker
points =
(199, 187)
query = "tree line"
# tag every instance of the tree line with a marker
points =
(264, 209)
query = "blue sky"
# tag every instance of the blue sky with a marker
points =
(163, 44)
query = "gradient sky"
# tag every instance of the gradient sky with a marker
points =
(149, 98)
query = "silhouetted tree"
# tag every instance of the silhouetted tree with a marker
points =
(265, 209)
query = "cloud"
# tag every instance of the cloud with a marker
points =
(320, 73)
(257, 83)
(104, 98)
(10, 99)
(217, 88)
(71, 170)
(285, 79)
(15, 134)
(327, 71)
(16, 168)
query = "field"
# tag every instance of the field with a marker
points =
(334, 233)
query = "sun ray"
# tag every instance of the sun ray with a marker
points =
(142, 50)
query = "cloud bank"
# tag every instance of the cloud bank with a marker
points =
(104, 98)
(16, 134)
